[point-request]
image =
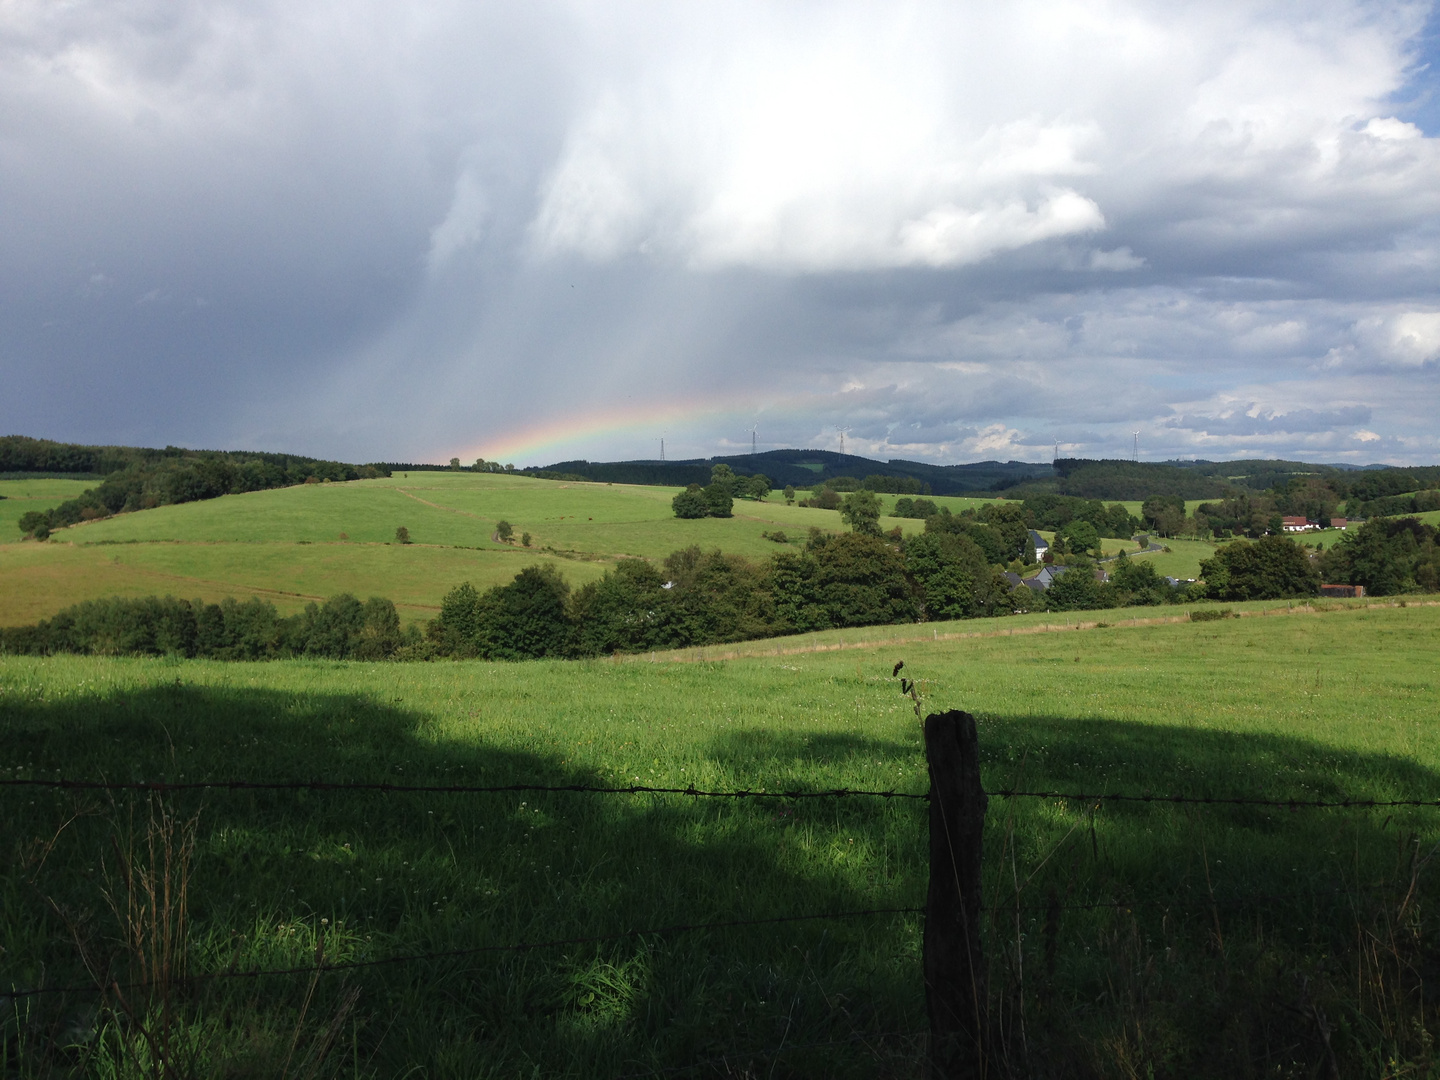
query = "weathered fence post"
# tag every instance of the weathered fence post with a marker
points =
(955, 996)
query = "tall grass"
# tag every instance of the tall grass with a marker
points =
(1125, 940)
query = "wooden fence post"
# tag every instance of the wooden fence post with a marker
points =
(955, 994)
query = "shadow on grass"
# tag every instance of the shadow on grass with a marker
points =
(1185, 940)
(1130, 933)
(401, 874)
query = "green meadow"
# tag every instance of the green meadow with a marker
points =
(22, 496)
(40, 579)
(1123, 939)
(293, 545)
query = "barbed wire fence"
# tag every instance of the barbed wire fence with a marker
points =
(956, 1039)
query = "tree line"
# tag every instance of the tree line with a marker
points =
(1287, 482)
(148, 478)
(342, 628)
(857, 578)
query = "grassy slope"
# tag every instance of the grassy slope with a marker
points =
(1265, 706)
(1183, 558)
(22, 496)
(36, 580)
(286, 544)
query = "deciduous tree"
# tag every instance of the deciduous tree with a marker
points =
(861, 511)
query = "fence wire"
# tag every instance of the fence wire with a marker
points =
(387, 788)
(1345, 803)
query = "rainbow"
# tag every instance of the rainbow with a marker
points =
(559, 438)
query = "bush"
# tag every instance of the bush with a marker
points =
(849, 580)
(914, 508)
(718, 500)
(691, 503)
(402, 535)
(1076, 590)
(523, 620)
(628, 610)
(1271, 568)
(861, 511)
(504, 531)
(1387, 556)
(824, 499)
(947, 568)
(526, 619)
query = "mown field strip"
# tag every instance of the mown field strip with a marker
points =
(932, 631)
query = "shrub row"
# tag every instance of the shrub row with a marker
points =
(703, 598)
(342, 628)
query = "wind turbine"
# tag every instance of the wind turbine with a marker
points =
(1136, 434)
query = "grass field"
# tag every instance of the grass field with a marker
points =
(462, 508)
(295, 544)
(22, 496)
(1135, 940)
(1181, 561)
(40, 579)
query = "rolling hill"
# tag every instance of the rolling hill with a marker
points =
(297, 544)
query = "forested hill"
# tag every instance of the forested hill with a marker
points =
(805, 468)
(137, 478)
(1083, 478)
(1118, 479)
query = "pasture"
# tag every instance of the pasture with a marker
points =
(22, 496)
(1124, 939)
(292, 545)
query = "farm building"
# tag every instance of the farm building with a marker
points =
(1341, 591)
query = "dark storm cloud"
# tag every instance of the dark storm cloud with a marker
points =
(954, 231)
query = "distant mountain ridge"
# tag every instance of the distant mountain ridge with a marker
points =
(803, 468)
(1111, 479)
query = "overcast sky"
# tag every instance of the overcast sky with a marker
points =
(537, 231)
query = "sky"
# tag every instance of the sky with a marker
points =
(541, 231)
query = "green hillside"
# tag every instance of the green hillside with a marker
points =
(22, 496)
(295, 544)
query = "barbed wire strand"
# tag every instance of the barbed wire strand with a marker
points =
(1197, 901)
(407, 958)
(386, 788)
(1220, 800)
